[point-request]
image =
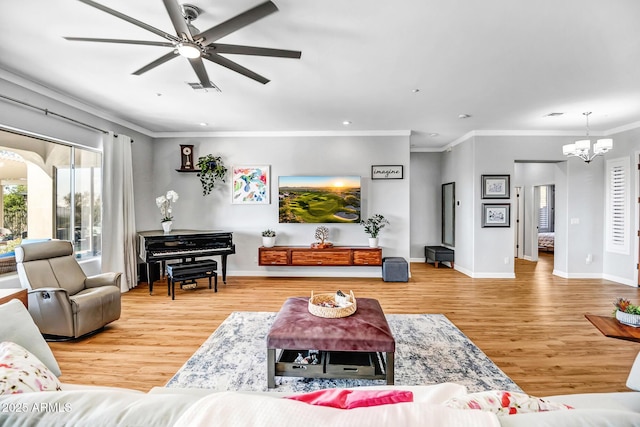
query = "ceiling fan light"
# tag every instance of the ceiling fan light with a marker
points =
(188, 50)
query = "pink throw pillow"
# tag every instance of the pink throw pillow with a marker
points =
(349, 399)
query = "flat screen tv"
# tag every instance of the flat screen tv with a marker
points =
(319, 199)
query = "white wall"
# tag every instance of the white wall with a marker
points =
(291, 155)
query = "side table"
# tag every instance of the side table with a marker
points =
(7, 295)
(611, 328)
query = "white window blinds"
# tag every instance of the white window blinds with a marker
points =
(617, 206)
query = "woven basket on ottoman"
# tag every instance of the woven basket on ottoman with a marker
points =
(317, 308)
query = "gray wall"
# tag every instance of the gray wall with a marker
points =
(479, 252)
(580, 195)
(290, 155)
(426, 199)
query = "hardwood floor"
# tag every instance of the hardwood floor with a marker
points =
(532, 327)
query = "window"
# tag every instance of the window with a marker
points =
(617, 205)
(49, 190)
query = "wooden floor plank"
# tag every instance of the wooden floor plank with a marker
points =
(533, 327)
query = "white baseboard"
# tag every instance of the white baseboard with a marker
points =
(559, 273)
(609, 277)
(463, 270)
(494, 276)
(621, 280)
(578, 275)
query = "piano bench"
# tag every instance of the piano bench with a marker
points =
(191, 270)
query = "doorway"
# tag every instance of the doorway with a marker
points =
(546, 218)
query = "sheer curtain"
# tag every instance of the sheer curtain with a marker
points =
(118, 220)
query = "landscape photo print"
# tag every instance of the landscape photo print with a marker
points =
(319, 199)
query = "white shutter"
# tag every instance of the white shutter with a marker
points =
(617, 206)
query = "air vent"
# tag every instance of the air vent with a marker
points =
(198, 86)
(553, 114)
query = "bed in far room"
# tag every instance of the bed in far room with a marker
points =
(546, 241)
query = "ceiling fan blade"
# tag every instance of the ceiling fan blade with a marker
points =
(157, 62)
(130, 20)
(237, 22)
(252, 50)
(142, 42)
(179, 23)
(201, 72)
(227, 63)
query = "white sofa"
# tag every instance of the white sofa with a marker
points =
(77, 405)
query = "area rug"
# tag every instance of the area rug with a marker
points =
(429, 350)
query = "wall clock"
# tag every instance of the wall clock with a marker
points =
(186, 156)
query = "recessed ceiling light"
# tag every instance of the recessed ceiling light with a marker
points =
(553, 114)
(415, 90)
(464, 116)
(203, 124)
(346, 123)
(434, 134)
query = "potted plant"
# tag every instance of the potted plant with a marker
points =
(212, 169)
(164, 203)
(372, 227)
(268, 238)
(627, 313)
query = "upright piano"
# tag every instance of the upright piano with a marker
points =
(157, 247)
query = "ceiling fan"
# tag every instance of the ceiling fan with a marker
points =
(197, 45)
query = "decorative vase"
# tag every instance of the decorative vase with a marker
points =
(166, 226)
(373, 242)
(268, 242)
(628, 318)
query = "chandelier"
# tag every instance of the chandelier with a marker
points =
(582, 148)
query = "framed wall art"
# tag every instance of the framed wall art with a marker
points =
(496, 214)
(250, 185)
(387, 172)
(495, 186)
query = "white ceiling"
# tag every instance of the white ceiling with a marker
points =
(506, 63)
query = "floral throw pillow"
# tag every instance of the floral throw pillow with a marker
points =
(22, 372)
(503, 402)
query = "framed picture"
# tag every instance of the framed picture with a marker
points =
(496, 215)
(250, 185)
(387, 172)
(495, 186)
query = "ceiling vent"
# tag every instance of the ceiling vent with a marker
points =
(198, 87)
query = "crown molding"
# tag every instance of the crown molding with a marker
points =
(278, 134)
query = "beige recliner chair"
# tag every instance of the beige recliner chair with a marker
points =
(63, 301)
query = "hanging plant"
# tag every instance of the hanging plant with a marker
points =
(212, 169)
